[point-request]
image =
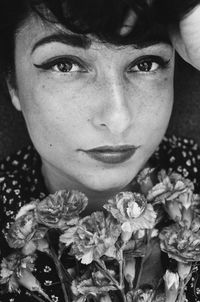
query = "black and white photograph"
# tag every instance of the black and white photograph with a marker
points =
(99, 150)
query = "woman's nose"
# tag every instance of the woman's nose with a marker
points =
(114, 111)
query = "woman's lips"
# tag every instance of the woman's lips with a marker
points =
(112, 155)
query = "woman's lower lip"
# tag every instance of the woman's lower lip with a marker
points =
(112, 157)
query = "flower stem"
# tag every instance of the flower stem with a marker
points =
(104, 270)
(60, 274)
(140, 273)
(183, 284)
(181, 292)
(121, 272)
(121, 267)
(143, 259)
(37, 298)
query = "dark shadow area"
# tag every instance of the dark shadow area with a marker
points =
(13, 133)
(185, 120)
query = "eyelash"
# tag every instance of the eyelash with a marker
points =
(80, 68)
(162, 64)
(63, 62)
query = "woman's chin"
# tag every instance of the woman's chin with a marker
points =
(109, 185)
(105, 181)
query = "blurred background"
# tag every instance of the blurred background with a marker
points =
(185, 120)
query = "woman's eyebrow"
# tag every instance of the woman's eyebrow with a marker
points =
(82, 41)
(65, 38)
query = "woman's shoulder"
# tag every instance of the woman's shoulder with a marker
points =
(181, 155)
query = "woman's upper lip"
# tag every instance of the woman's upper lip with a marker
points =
(113, 149)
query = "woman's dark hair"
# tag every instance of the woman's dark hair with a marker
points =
(175, 10)
(102, 18)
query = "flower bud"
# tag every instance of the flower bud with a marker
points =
(126, 232)
(27, 280)
(184, 270)
(129, 271)
(171, 280)
(126, 236)
(171, 286)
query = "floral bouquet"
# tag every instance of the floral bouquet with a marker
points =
(141, 247)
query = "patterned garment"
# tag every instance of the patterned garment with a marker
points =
(21, 181)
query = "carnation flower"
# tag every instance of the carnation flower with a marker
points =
(126, 205)
(22, 230)
(94, 236)
(16, 271)
(171, 187)
(132, 211)
(55, 211)
(180, 243)
(25, 233)
(176, 194)
(61, 209)
(11, 269)
(8, 267)
(113, 240)
(37, 242)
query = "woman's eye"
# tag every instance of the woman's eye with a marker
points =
(148, 65)
(62, 66)
(65, 67)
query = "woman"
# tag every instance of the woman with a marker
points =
(95, 86)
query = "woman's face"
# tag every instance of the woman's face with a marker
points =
(95, 112)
